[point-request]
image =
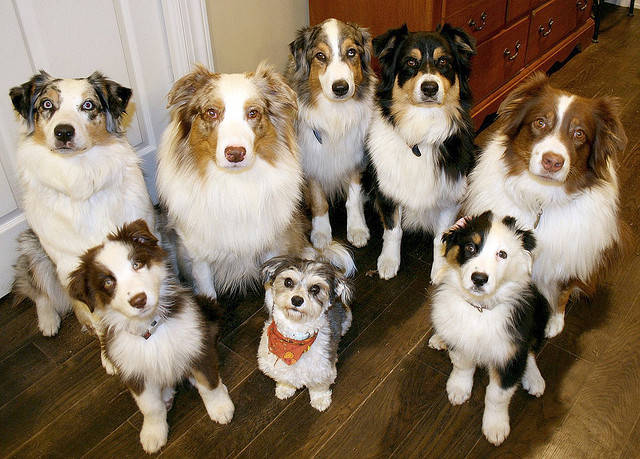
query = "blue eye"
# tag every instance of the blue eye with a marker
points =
(87, 105)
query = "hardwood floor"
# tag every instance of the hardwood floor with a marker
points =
(389, 398)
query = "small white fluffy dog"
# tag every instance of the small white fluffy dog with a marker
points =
(487, 313)
(80, 179)
(308, 314)
(157, 333)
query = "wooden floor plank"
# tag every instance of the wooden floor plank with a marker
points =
(22, 369)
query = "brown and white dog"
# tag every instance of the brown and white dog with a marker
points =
(80, 179)
(157, 333)
(230, 177)
(330, 70)
(552, 165)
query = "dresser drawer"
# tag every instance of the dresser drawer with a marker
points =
(480, 18)
(549, 23)
(517, 8)
(499, 59)
(583, 10)
(453, 6)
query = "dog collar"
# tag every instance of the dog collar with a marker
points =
(318, 136)
(153, 326)
(538, 215)
(287, 349)
(416, 151)
(479, 307)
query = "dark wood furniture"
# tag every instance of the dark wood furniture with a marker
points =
(514, 37)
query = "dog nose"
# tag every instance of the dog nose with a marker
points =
(429, 88)
(340, 88)
(139, 300)
(297, 301)
(479, 279)
(64, 132)
(552, 162)
(235, 154)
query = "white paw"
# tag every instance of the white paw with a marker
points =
(320, 239)
(219, 405)
(555, 325)
(107, 365)
(459, 389)
(495, 427)
(388, 266)
(320, 400)
(284, 391)
(153, 436)
(358, 236)
(437, 343)
(533, 382)
(48, 321)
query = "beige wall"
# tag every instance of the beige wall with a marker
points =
(245, 32)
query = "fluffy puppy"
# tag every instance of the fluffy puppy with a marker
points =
(487, 313)
(308, 314)
(552, 165)
(80, 179)
(156, 331)
(230, 177)
(420, 142)
(330, 70)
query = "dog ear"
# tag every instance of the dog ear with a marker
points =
(24, 96)
(462, 44)
(183, 91)
(79, 286)
(298, 49)
(271, 267)
(343, 289)
(136, 232)
(514, 108)
(113, 97)
(385, 45)
(281, 101)
(610, 138)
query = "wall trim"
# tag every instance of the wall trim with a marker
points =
(188, 35)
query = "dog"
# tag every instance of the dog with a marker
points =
(157, 333)
(552, 165)
(230, 178)
(308, 304)
(330, 70)
(79, 178)
(487, 312)
(420, 142)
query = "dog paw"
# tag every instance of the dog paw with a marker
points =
(320, 400)
(554, 325)
(495, 427)
(388, 267)
(437, 343)
(48, 322)
(153, 436)
(284, 391)
(459, 389)
(358, 236)
(533, 382)
(219, 405)
(109, 368)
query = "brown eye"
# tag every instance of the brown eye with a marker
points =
(136, 265)
(212, 113)
(540, 123)
(443, 60)
(351, 52)
(502, 254)
(412, 63)
(108, 282)
(315, 289)
(252, 114)
(87, 105)
(47, 104)
(470, 248)
(321, 57)
(578, 134)
(288, 282)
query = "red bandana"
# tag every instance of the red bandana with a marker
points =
(289, 350)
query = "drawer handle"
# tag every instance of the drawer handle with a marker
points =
(544, 33)
(508, 55)
(582, 5)
(475, 27)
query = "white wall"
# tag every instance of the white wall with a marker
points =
(245, 32)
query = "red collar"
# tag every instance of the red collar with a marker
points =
(289, 350)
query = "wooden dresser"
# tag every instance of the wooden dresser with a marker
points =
(514, 37)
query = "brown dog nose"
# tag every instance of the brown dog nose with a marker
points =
(235, 154)
(139, 300)
(552, 162)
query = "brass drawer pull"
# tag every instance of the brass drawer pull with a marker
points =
(475, 27)
(508, 55)
(544, 33)
(582, 5)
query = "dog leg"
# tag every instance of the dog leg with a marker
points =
(460, 380)
(48, 317)
(320, 224)
(551, 291)
(389, 259)
(320, 397)
(284, 390)
(445, 220)
(437, 343)
(155, 429)
(532, 380)
(357, 231)
(495, 420)
(168, 393)
(203, 278)
(216, 400)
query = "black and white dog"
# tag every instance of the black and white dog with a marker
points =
(420, 143)
(487, 312)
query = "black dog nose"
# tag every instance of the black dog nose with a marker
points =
(429, 88)
(340, 88)
(64, 132)
(479, 279)
(297, 301)
(139, 300)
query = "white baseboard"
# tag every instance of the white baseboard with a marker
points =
(624, 3)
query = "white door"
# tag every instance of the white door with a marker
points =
(142, 44)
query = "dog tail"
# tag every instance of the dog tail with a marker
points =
(336, 254)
